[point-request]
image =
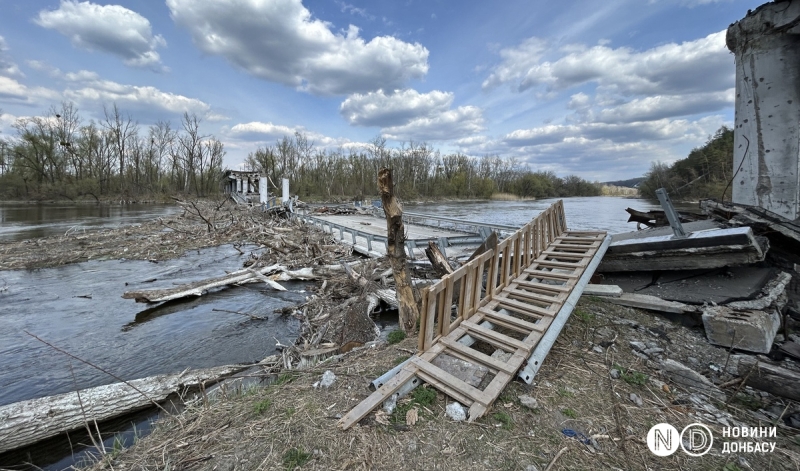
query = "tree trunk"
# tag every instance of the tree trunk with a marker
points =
(395, 233)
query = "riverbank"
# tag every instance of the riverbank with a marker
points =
(590, 407)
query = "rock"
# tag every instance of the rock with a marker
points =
(640, 346)
(531, 467)
(328, 379)
(390, 404)
(636, 400)
(528, 401)
(780, 338)
(470, 373)
(688, 378)
(615, 374)
(654, 351)
(794, 338)
(640, 355)
(693, 360)
(502, 356)
(456, 412)
(749, 330)
(597, 349)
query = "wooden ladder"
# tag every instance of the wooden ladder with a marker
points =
(511, 322)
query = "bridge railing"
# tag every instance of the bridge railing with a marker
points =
(459, 295)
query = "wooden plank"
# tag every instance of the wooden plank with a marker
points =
(555, 264)
(445, 388)
(441, 376)
(552, 274)
(511, 322)
(525, 308)
(509, 343)
(446, 315)
(376, 398)
(566, 255)
(515, 292)
(477, 356)
(543, 286)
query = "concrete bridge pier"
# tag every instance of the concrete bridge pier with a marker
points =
(766, 44)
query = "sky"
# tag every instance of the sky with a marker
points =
(598, 89)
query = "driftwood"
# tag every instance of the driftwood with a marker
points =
(27, 422)
(270, 275)
(770, 378)
(395, 251)
(439, 262)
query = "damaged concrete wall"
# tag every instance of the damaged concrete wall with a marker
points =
(766, 44)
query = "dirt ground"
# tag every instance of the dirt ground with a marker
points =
(293, 424)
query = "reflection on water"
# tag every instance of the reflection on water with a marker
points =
(20, 221)
(597, 213)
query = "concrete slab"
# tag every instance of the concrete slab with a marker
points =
(602, 290)
(719, 285)
(752, 331)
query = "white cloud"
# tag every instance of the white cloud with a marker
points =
(451, 124)
(281, 42)
(87, 88)
(664, 106)
(400, 107)
(7, 66)
(107, 28)
(12, 91)
(695, 66)
(257, 132)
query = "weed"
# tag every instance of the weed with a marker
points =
(632, 377)
(396, 336)
(400, 359)
(748, 401)
(284, 378)
(504, 419)
(262, 407)
(564, 393)
(583, 315)
(295, 458)
(289, 411)
(569, 413)
(420, 396)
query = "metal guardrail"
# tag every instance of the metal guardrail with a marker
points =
(475, 238)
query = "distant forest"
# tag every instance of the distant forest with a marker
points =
(60, 156)
(705, 173)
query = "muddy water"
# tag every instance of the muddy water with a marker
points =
(79, 309)
(20, 221)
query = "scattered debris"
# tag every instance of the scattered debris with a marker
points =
(456, 412)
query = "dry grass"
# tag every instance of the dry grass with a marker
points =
(293, 424)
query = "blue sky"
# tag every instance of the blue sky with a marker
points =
(597, 89)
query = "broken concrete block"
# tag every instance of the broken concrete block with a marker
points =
(470, 373)
(602, 290)
(751, 330)
(528, 401)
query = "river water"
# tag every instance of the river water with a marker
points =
(79, 308)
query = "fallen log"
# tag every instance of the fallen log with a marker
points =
(27, 422)
(770, 378)
(439, 262)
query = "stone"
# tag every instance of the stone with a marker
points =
(597, 349)
(615, 374)
(390, 404)
(636, 400)
(602, 290)
(682, 375)
(753, 331)
(470, 373)
(456, 412)
(640, 346)
(328, 378)
(531, 467)
(528, 401)
(653, 351)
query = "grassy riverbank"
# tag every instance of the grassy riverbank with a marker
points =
(293, 424)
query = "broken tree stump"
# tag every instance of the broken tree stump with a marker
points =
(396, 252)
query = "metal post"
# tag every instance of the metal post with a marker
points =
(672, 215)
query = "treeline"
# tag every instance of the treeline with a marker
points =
(419, 171)
(705, 173)
(58, 155)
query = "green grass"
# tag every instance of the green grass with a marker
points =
(632, 377)
(284, 378)
(564, 393)
(262, 407)
(748, 401)
(396, 336)
(295, 458)
(569, 413)
(400, 359)
(504, 419)
(419, 397)
(583, 315)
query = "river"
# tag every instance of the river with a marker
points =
(78, 307)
